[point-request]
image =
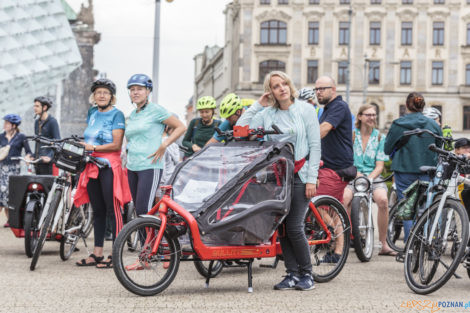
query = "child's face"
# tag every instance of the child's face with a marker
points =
(465, 150)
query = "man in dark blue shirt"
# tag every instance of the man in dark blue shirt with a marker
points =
(45, 125)
(336, 144)
(336, 149)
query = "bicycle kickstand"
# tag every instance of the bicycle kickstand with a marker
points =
(86, 246)
(250, 275)
(209, 273)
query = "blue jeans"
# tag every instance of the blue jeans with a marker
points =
(403, 181)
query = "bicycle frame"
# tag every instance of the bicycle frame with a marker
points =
(204, 252)
(449, 192)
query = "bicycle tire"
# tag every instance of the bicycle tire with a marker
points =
(31, 233)
(89, 218)
(392, 197)
(362, 241)
(67, 245)
(141, 261)
(45, 227)
(326, 271)
(202, 269)
(432, 282)
(394, 229)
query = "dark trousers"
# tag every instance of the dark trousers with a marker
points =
(100, 192)
(294, 243)
(143, 186)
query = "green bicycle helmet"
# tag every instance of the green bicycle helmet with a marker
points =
(206, 102)
(229, 105)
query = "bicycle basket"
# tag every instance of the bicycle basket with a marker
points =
(70, 157)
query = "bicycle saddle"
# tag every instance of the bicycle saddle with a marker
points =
(428, 169)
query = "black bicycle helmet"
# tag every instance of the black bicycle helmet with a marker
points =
(104, 83)
(44, 101)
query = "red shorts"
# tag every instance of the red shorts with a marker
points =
(330, 184)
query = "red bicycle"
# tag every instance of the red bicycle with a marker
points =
(230, 199)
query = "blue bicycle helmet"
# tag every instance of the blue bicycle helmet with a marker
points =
(13, 118)
(140, 80)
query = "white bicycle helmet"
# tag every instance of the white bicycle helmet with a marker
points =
(432, 113)
(306, 94)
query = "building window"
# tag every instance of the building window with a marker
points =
(264, 1)
(406, 33)
(407, 2)
(312, 71)
(313, 33)
(438, 33)
(439, 107)
(405, 73)
(374, 72)
(342, 72)
(282, 1)
(343, 1)
(439, 2)
(375, 1)
(468, 34)
(377, 111)
(313, 1)
(466, 117)
(375, 33)
(437, 72)
(343, 33)
(402, 110)
(467, 74)
(273, 33)
(268, 66)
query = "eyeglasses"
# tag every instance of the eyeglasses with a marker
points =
(370, 115)
(103, 93)
(320, 89)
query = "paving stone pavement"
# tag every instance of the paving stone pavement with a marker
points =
(57, 286)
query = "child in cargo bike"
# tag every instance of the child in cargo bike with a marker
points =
(299, 125)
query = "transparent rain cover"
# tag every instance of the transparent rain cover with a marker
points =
(253, 211)
(203, 175)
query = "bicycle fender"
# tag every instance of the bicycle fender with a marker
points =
(172, 230)
(317, 198)
(31, 205)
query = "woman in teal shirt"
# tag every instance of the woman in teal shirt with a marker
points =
(369, 159)
(145, 148)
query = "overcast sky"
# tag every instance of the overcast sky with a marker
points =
(126, 46)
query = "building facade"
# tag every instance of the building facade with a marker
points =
(394, 47)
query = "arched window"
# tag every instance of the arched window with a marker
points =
(273, 33)
(270, 65)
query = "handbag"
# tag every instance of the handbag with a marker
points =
(408, 206)
(4, 152)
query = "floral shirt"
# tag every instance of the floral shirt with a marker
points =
(365, 160)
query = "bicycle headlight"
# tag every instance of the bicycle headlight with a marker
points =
(361, 184)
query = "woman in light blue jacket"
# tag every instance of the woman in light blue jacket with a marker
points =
(298, 122)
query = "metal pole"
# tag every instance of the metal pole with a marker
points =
(348, 71)
(156, 52)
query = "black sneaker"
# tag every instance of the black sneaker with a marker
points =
(331, 258)
(305, 283)
(289, 282)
